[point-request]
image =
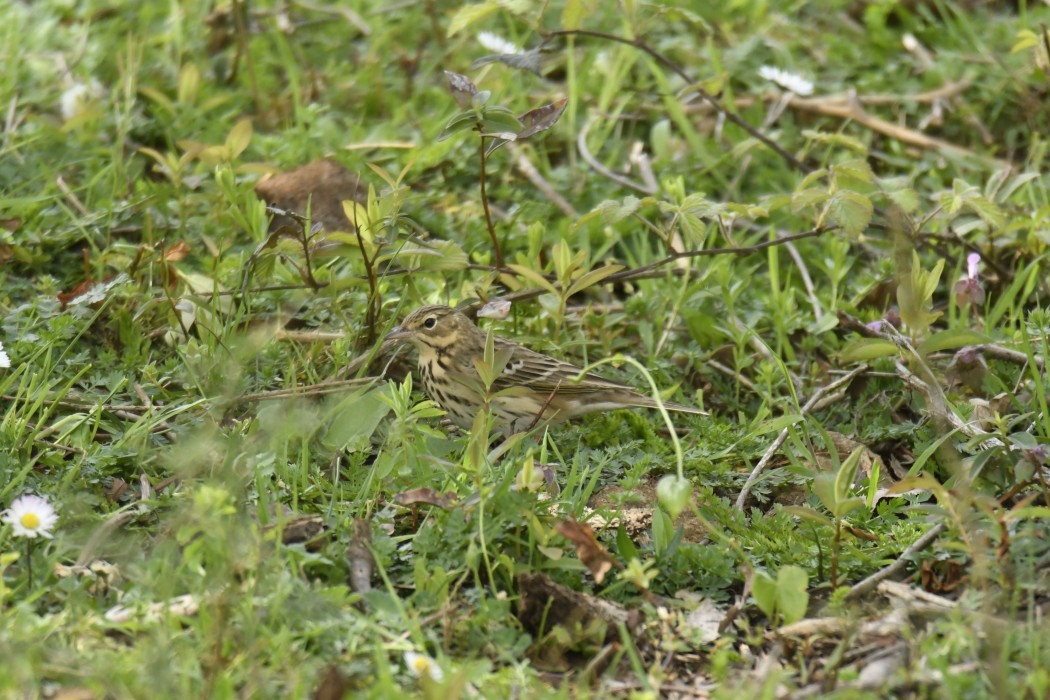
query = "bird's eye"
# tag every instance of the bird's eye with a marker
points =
(430, 322)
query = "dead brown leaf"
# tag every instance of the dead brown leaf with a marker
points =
(590, 551)
(427, 496)
(176, 252)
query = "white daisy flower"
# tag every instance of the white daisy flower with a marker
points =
(5, 361)
(789, 81)
(420, 665)
(31, 516)
(496, 44)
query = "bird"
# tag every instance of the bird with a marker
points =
(532, 388)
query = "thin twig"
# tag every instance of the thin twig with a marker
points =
(869, 584)
(533, 175)
(693, 88)
(588, 157)
(813, 401)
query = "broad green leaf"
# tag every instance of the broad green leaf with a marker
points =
(613, 212)
(852, 211)
(857, 169)
(792, 593)
(907, 199)
(950, 339)
(806, 198)
(764, 591)
(460, 122)
(865, 349)
(357, 416)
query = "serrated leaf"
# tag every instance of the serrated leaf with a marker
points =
(987, 210)
(857, 169)
(613, 212)
(807, 198)
(906, 199)
(852, 211)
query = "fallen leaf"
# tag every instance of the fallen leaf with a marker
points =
(176, 252)
(427, 496)
(590, 551)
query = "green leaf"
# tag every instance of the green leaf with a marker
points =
(238, 138)
(591, 278)
(849, 142)
(808, 513)
(852, 211)
(357, 416)
(764, 591)
(792, 594)
(950, 339)
(624, 546)
(865, 349)
(847, 474)
(807, 198)
(613, 212)
(468, 15)
(534, 277)
(857, 170)
(987, 210)
(907, 199)
(460, 122)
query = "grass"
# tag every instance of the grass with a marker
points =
(247, 508)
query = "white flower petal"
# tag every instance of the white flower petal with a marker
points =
(5, 361)
(496, 43)
(30, 516)
(789, 81)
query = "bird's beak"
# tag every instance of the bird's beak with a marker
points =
(399, 333)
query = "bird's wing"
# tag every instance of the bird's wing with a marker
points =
(542, 373)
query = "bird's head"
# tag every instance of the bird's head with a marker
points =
(433, 326)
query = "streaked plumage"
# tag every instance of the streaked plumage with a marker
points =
(450, 346)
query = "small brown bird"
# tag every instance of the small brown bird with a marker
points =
(450, 349)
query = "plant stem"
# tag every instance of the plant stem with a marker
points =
(488, 214)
